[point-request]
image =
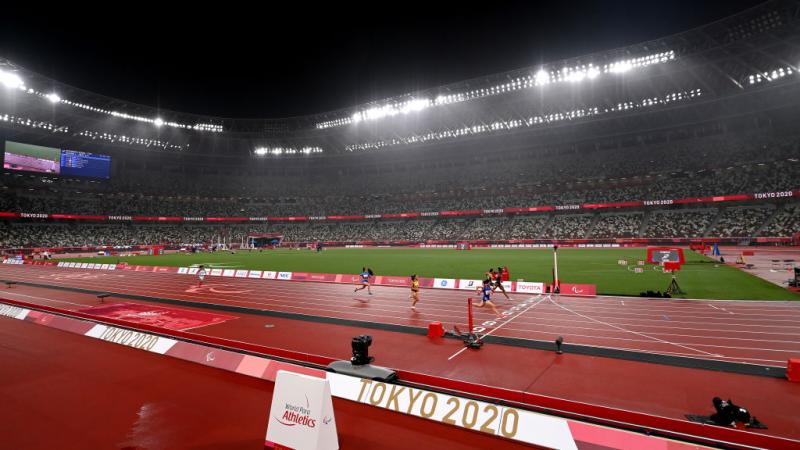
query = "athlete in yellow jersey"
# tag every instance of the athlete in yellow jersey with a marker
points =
(414, 291)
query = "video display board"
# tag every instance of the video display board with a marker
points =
(51, 160)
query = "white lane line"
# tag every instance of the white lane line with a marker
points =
(501, 325)
(635, 332)
(46, 299)
(712, 306)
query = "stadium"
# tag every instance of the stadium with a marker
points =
(600, 246)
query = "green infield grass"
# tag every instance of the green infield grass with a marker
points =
(700, 277)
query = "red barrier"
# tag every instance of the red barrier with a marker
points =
(793, 370)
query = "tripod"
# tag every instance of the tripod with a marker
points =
(674, 288)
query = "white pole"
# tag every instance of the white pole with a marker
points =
(555, 266)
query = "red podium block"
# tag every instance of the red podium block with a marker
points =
(435, 329)
(793, 370)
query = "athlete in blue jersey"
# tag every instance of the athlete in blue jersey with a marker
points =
(486, 291)
(365, 275)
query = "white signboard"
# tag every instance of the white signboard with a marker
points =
(444, 283)
(530, 288)
(301, 415)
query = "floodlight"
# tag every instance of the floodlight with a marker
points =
(621, 67)
(158, 122)
(10, 80)
(593, 72)
(542, 77)
(53, 97)
(576, 77)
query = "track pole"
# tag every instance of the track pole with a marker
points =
(469, 316)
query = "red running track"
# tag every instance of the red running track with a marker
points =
(62, 390)
(666, 391)
(764, 333)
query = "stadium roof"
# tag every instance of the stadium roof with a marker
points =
(727, 54)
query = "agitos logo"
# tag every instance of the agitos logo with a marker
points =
(297, 415)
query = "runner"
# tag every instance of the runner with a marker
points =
(414, 291)
(365, 274)
(498, 282)
(486, 290)
(201, 274)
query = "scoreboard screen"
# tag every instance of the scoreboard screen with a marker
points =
(82, 164)
(51, 160)
(661, 255)
(31, 158)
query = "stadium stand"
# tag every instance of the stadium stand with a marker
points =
(639, 156)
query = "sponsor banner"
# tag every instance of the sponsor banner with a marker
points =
(765, 195)
(183, 270)
(444, 283)
(299, 276)
(301, 414)
(84, 265)
(288, 219)
(529, 287)
(401, 215)
(228, 272)
(612, 205)
(193, 270)
(61, 264)
(241, 274)
(15, 312)
(393, 281)
(130, 338)
(269, 275)
(216, 272)
(426, 282)
(77, 216)
(157, 218)
(321, 277)
(34, 215)
(346, 217)
(469, 284)
(579, 290)
(227, 219)
(104, 266)
(511, 423)
(284, 275)
(255, 274)
(658, 202)
(509, 286)
(470, 212)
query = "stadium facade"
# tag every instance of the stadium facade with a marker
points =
(689, 137)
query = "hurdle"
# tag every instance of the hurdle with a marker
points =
(470, 338)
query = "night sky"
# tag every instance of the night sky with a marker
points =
(278, 61)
